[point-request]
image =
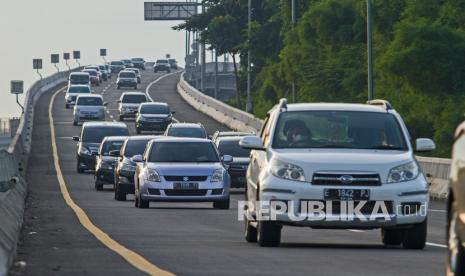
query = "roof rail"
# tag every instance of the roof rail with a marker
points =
(382, 103)
(283, 105)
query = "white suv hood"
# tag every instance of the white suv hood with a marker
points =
(344, 160)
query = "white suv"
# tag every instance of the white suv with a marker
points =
(325, 165)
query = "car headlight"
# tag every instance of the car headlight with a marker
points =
(217, 176)
(405, 172)
(287, 171)
(152, 176)
(84, 151)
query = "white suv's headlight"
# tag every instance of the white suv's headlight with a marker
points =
(217, 176)
(152, 175)
(84, 151)
(403, 173)
(287, 171)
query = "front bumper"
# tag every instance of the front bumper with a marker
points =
(86, 162)
(126, 181)
(105, 175)
(394, 196)
(146, 125)
(238, 179)
(163, 191)
(79, 117)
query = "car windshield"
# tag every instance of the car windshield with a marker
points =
(162, 61)
(154, 109)
(91, 72)
(195, 132)
(134, 99)
(109, 146)
(339, 129)
(79, 89)
(93, 101)
(135, 147)
(96, 134)
(116, 63)
(126, 61)
(172, 61)
(127, 75)
(93, 68)
(79, 78)
(232, 148)
(191, 152)
(137, 59)
(102, 67)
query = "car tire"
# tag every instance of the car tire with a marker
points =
(75, 123)
(98, 185)
(121, 117)
(392, 237)
(224, 204)
(268, 234)
(119, 195)
(67, 106)
(140, 203)
(456, 252)
(138, 131)
(135, 87)
(79, 169)
(415, 237)
(250, 232)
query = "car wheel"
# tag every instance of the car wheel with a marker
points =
(121, 117)
(138, 131)
(135, 87)
(67, 106)
(141, 203)
(456, 252)
(98, 185)
(78, 168)
(415, 237)
(224, 204)
(268, 234)
(75, 123)
(119, 195)
(392, 236)
(250, 232)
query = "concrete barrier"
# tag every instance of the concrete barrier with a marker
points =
(13, 163)
(435, 169)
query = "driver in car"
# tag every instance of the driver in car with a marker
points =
(297, 133)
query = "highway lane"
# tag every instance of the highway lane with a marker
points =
(184, 238)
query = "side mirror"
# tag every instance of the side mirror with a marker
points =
(227, 159)
(173, 112)
(114, 153)
(105, 104)
(137, 158)
(118, 101)
(210, 137)
(251, 142)
(76, 138)
(424, 145)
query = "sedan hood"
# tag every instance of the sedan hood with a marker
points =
(185, 169)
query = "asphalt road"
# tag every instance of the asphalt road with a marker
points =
(182, 238)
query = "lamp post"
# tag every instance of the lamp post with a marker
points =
(370, 50)
(294, 98)
(248, 106)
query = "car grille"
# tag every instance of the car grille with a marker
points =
(367, 209)
(154, 191)
(186, 192)
(238, 167)
(346, 179)
(182, 178)
(217, 191)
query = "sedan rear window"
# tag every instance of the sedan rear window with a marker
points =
(95, 134)
(109, 146)
(162, 61)
(154, 109)
(232, 148)
(189, 152)
(127, 75)
(90, 101)
(91, 72)
(116, 63)
(135, 147)
(79, 89)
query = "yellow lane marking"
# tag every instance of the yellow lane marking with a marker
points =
(130, 256)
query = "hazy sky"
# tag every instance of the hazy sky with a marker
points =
(37, 28)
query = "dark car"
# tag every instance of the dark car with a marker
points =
(153, 116)
(162, 65)
(173, 63)
(186, 130)
(105, 163)
(117, 66)
(127, 63)
(125, 166)
(138, 63)
(94, 76)
(237, 169)
(92, 134)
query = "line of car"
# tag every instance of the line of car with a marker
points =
(320, 152)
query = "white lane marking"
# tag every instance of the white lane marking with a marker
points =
(436, 210)
(154, 82)
(436, 244)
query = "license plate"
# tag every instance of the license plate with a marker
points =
(185, 186)
(347, 194)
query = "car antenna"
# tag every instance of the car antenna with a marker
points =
(283, 105)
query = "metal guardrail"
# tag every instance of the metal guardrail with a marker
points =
(436, 170)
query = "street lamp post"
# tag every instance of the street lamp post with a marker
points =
(248, 106)
(294, 98)
(370, 50)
